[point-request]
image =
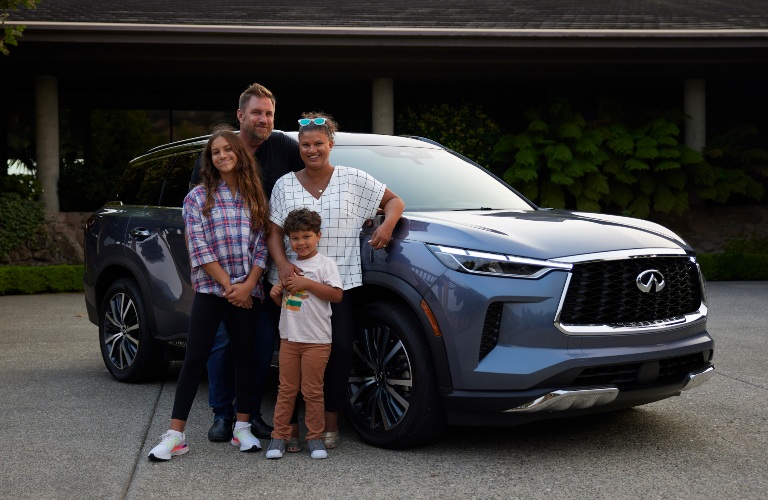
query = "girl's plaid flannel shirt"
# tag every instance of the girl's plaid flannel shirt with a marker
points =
(226, 236)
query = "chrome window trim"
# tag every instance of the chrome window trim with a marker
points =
(649, 327)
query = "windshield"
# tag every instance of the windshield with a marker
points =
(430, 179)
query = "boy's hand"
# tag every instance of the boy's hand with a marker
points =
(295, 283)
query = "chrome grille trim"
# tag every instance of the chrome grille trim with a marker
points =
(626, 330)
(688, 279)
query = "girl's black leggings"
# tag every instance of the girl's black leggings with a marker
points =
(207, 312)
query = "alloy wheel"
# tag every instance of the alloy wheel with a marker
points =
(121, 331)
(381, 381)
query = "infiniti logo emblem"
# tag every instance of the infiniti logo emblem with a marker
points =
(650, 281)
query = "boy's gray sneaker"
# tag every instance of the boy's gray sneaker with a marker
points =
(276, 448)
(316, 448)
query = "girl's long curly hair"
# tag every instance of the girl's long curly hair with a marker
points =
(247, 175)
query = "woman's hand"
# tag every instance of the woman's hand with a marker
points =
(393, 207)
(287, 271)
(296, 282)
(381, 237)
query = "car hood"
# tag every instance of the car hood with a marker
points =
(541, 234)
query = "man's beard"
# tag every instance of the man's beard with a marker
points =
(258, 134)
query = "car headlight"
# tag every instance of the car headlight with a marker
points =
(476, 262)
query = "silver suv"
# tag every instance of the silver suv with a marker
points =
(484, 310)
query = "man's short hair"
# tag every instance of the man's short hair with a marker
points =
(255, 90)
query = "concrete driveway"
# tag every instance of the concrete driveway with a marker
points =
(68, 430)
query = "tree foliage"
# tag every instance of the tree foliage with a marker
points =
(10, 33)
(118, 137)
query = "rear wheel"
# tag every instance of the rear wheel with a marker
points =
(393, 399)
(129, 352)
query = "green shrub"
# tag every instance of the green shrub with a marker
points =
(629, 166)
(734, 266)
(749, 245)
(465, 128)
(20, 220)
(39, 279)
(26, 186)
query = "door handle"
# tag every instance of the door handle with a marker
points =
(140, 233)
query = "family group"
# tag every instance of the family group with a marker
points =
(273, 230)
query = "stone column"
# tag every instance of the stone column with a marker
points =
(695, 108)
(47, 139)
(383, 106)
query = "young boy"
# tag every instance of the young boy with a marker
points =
(305, 332)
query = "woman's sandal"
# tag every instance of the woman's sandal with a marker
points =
(293, 445)
(331, 439)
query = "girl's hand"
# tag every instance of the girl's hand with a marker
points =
(239, 294)
(248, 303)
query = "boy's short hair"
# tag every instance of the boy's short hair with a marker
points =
(302, 219)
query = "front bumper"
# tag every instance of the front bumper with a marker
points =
(511, 408)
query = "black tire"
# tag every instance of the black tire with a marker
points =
(129, 352)
(393, 398)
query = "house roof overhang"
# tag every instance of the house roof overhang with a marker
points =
(71, 47)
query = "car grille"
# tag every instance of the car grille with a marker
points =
(606, 292)
(656, 373)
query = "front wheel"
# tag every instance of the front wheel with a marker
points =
(129, 352)
(393, 399)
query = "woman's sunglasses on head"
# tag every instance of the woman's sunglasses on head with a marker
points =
(307, 121)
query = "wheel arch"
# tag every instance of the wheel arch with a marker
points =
(379, 286)
(115, 271)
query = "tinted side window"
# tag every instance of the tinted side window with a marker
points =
(177, 183)
(142, 182)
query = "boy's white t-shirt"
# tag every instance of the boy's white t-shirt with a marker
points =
(304, 317)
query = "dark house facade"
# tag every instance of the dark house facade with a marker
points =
(363, 61)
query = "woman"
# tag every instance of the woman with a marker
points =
(226, 218)
(345, 198)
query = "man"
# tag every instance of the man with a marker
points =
(277, 155)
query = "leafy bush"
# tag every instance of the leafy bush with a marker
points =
(26, 186)
(38, 279)
(563, 160)
(465, 128)
(748, 245)
(735, 151)
(734, 266)
(21, 214)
